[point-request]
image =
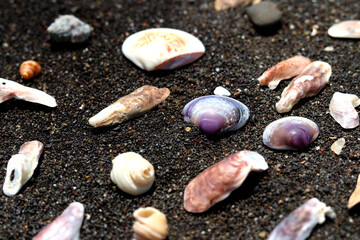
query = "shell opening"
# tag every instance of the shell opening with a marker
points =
(12, 175)
(146, 213)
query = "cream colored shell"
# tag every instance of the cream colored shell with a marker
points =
(150, 224)
(132, 173)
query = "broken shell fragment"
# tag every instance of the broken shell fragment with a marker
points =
(225, 4)
(150, 224)
(162, 48)
(355, 196)
(216, 183)
(299, 224)
(283, 70)
(216, 114)
(130, 106)
(342, 109)
(309, 83)
(10, 89)
(345, 29)
(338, 145)
(290, 133)
(221, 91)
(66, 226)
(21, 167)
(68, 28)
(30, 69)
(132, 173)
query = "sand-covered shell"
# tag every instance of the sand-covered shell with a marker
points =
(21, 167)
(309, 83)
(162, 48)
(342, 109)
(30, 69)
(283, 70)
(216, 183)
(355, 196)
(290, 133)
(345, 29)
(299, 224)
(132, 173)
(216, 114)
(66, 226)
(68, 28)
(150, 224)
(130, 106)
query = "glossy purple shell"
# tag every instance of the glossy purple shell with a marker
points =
(216, 114)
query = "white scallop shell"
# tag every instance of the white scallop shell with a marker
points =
(342, 109)
(150, 224)
(162, 48)
(132, 173)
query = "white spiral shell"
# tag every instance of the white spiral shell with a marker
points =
(132, 173)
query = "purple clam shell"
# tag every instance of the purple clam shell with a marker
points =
(290, 133)
(216, 114)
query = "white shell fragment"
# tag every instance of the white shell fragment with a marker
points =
(345, 29)
(132, 173)
(10, 89)
(68, 28)
(299, 224)
(66, 226)
(355, 196)
(225, 4)
(150, 224)
(162, 48)
(342, 109)
(21, 167)
(338, 145)
(221, 91)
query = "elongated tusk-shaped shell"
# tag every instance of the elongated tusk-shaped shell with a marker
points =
(216, 183)
(66, 226)
(30, 69)
(162, 48)
(307, 84)
(299, 224)
(345, 29)
(132, 173)
(150, 224)
(355, 196)
(22, 166)
(283, 70)
(10, 89)
(342, 109)
(130, 106)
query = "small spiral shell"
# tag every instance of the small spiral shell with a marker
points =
(132, 173)
(150, 224)
(30, 69)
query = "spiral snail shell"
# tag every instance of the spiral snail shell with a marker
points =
(150, 224)
(132, 173)
(30, 69)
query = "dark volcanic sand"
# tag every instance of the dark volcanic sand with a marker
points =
(76, 162)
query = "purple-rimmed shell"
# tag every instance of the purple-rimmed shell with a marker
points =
(290, 133)
(216, 114)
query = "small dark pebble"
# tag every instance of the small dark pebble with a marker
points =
(264, 14)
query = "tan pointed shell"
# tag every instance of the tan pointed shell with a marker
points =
(30, 69)
(150, 224)
(132, 173)
(355, 196)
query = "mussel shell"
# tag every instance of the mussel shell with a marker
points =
(290, 133)
(216, 114)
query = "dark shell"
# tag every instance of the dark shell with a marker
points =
(216, 114)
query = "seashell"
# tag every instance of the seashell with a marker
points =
(150, 224)
(299, 224)
(216, 114)
(132, 173)
(290, 133)
(66, 226)
(21, 167)
(345, 29)
(162, 48)
(68, 28)
(338, 145)
(130, 106)
(283, 70)
(30, 69)
(355, 196)
(216, 183)
(225, 4)
(309, 83)
(342, 109)
(10, 89)
(221, 91)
